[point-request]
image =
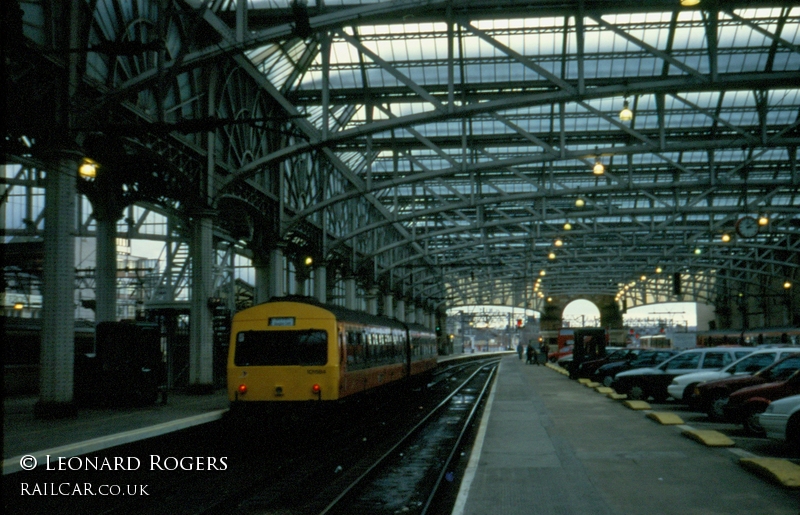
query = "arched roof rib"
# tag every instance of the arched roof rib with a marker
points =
(430, 142)
(469, 170)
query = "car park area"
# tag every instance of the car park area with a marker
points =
(741, 441)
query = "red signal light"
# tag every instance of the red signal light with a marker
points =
(242, 389)
(519, 322)
(316, 388)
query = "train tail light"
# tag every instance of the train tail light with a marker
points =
(242, 389)
(316, 389)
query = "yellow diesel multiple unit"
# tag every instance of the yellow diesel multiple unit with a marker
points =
(301, 350)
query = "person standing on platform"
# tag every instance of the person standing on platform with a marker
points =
(519, 351)
(531, 354)
(545, 350)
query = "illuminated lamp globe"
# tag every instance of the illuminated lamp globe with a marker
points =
(580, 202)
(726, 237)
(689, 3)
(88, 168)
(626, 114)
(598, 168)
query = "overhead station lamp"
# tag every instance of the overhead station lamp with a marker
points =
(567, 226)
(308, 261)
(559, 242)
(88, 168)
(659, 269)
(787, 285)
(580, 202)
(689, 3)
(626, 114)
(726, 238)
(599, 168)
(763, 221)
(552, 255)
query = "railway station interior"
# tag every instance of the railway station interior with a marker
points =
(170, 163)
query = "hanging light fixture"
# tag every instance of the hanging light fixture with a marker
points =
(567, 226)
(689, 3)
(598, 169)
(88, 168)
(559, 242)
(626, 114)
(580, 202)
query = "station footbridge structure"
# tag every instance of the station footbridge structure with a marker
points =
(399, 157)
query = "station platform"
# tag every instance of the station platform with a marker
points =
(549, 445)
(96, 429)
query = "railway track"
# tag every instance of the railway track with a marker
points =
(297, 467)
(409, 477)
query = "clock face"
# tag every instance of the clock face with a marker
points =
(747, 227)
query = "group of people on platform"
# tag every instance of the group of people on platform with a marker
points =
(533, 354)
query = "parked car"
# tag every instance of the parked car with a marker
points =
(554, 356)
(781, 420)
(712, 396)
(682, 387)
(643, 383)
(613, 355)
(744, 406)
(566, 360)
(646, 358)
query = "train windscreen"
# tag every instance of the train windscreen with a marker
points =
(281, 348)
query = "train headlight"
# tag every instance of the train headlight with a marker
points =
(242, 389)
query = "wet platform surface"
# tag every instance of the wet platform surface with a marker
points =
(553, 446)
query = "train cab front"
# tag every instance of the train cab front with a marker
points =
(282, 384)
(288, 359)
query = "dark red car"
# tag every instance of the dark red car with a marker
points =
(587, 368)
(566, 350)
(712, 396)
(746, 404)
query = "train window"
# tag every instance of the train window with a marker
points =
(281, 348)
